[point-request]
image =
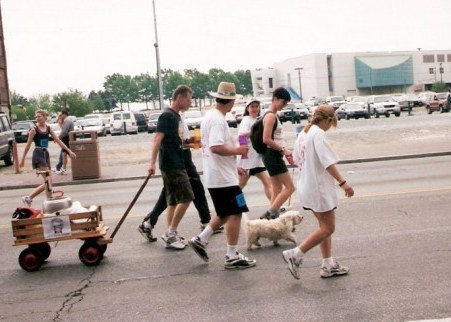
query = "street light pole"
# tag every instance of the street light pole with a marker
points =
(157, 53)
(299, 76)
(441, 73)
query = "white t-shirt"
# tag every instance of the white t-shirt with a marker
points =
(219, 171)
(253, 160)
(315, 186)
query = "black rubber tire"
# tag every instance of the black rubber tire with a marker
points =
(8, 158)
(90, 254)
(44, 249)
(30, 259)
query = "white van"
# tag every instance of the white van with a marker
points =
(123, 123)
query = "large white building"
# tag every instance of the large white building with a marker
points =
(349, 74)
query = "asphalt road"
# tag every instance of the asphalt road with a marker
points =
(394, 234)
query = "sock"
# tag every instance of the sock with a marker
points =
(232, 250)
(146, 224)
(205, 235)
(172, 231)
(328, 262)
(297, 252)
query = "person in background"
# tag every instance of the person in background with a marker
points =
(252, 163)
(221, 178)
(168, 147)
(60, 158)
(41, 159)
(67, 126)
(282, 183)
(316, 190)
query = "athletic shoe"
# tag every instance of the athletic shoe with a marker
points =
(217, 231)
(146, 232)
(199, 247)
(293, 263)
(337, 269)
(173, 241)
(61, 172)
(27, 201)
(239, 262)
(266, 215)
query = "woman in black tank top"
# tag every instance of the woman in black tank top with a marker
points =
(41, 159)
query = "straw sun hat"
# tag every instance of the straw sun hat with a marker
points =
(225, 91)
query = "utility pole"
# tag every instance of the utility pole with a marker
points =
(441, 73)
(157, 53)
(299, 76)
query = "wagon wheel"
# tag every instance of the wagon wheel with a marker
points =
(90, 254)
(103, 247)
(30, 259)
(44, 249)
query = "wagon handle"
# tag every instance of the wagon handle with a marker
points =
(130, 207)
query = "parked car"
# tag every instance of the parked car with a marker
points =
(152, 122)
(231, 120)
(383, 105)
(104, 117)
(21, 130)
(302, 110)
(6, 140)
(123, 122)
(436, 103)
(94, 124)
(193, 118)
(288, 113)
(56, 129)
(238, 112)
(141, 121)
(335, 101)
(352, 110)
(406, 100)
(423, 96)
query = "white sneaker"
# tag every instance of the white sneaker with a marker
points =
(337, 269)
(293, 263)
(173, 241)
(27, 201)
(61, 172)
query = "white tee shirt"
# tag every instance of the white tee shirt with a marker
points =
(219, 171)
(253, 160)
(315, 186)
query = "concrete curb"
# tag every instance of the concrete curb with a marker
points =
(105, 180)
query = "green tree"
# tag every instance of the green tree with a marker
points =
(74, 100)
(244, 82)
(121, 88)
(147, 88)
(95, 101)
(199, 83)
(171, 79)
(438, 87)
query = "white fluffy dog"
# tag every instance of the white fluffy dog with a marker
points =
(274, 229)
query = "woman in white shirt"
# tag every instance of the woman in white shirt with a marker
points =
(252, 163)
(316, 190)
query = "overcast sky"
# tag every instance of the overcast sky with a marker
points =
(56, 45)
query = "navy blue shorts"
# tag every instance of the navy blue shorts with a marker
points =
(228, 201)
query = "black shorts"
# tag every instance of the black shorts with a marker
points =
(40, 158)
(254, 171)
(228, 201)
(177, 187)
(274, 162)
(65, 140)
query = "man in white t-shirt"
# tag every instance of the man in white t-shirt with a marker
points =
(219, 153)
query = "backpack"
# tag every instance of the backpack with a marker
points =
(256, 134)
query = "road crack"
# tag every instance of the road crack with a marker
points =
(74, 297)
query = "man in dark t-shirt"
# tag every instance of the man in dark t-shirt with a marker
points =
(167, 144)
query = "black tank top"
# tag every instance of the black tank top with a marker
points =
(41, 139)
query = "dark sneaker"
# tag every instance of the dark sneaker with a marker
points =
(293, 263)
(266, 215)
(146, 233)
(239, 262)
(199, 247)
(173, 241)
(335, 270)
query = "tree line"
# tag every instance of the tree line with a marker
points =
(120, 90)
